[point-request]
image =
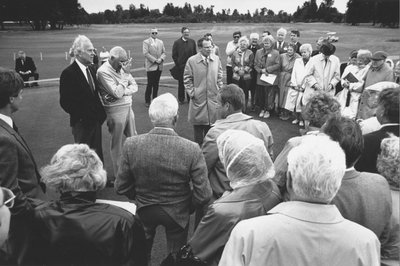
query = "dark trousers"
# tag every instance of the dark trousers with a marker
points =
(200, 131)
(181, 89)
(26, 77)
(244, 85)
(153, 216)
(153, 79)
(229, 74)
(253, 85)
(265, 97)
(89, 132)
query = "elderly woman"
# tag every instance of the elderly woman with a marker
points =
(295, 92)
(287, 64)
(388, 166)
(322, 72)
(266, 63)
(242, 64)
(77, 230)
(249, 169)
(318, 110)
(352, 82)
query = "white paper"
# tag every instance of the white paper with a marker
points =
(270, 78)
(126, 205)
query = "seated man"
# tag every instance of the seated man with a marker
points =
(307, 230)
(363, 197)
(25, 66)
(76, 230)
(249, 169)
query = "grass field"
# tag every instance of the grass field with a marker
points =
(46, 127)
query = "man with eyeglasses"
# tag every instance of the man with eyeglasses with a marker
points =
(182, 49)
(79, 96)
(154, 53)
(116, 89)
(231, 47)
(18, 169)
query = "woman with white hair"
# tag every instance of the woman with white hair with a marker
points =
(242, 64)
(249, 170)
(295, 92)
(388, 166)
(266, 62)
(77, 230)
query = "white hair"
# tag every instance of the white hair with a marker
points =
(244, 157)
(78, 44)
(306, 47)
(364, 55)
(270, 38)
(163, 109)
(118, 52)
(282, 30)
(75, 167)
(244, 39)
(254, 35)
(388, 161)
(316, 168)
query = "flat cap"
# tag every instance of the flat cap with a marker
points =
(379, 55)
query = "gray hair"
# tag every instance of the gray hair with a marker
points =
(281, 30)
(254, 35)
(388, 160)
(306, 47)
(163, 109)
(75, 167)
(244, 39)
(270, 38)
(79, 42)
(118, 52)
(364, 55)
(316, 168)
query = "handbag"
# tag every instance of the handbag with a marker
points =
(175, 72)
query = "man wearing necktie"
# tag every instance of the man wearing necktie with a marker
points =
(280, 44)
(79, 96)
(18, 170)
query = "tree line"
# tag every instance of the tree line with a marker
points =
(54, 14)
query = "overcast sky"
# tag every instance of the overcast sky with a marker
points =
(242, 6)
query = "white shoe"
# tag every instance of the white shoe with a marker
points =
(266, 114)
(294, 122)
(301, 123)
(261, 113)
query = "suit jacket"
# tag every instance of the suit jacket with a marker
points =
(297, 47)
(372, 147)
(365, 199)
(28, 65)
(18, 170)
(152, 51)
(282, 49)
(77, 98)
(159, 168)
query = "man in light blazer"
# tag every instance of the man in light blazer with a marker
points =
(18, 170)
(166, 175)
(154, 53)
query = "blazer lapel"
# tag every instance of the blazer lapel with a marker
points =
(82, 77)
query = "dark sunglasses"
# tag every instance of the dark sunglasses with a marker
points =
(8, 197)
(155, 33)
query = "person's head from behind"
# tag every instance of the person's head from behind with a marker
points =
(281, 34)
(74, 168)
(315, 170)
(205, 46)
(244, 157)
(388, 106)
(83, 50)
(118, 58)
(163, 111)
(21, 54)
(320, 108)
(230, 100)
(347, 133)
(388, 161)
(11, 87)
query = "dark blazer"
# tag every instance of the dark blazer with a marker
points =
(181, 51)
(282, 49)
(297, 48)
(18, 170)
(372, 147)
(77, 98)
(159, 168)
(28, 65)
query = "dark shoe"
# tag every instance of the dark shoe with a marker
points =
(35, 85)
(110, 183)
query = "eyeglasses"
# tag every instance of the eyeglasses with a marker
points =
(8, 197)
(154, 33)
(236, 37)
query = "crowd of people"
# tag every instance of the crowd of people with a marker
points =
(330, 197)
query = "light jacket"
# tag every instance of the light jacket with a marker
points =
(153, 50)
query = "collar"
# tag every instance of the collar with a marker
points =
(110, 68)
(235, 117)
(389, 125)
(183, 39)
(309, 212)
(350, 169)
(167, 128)
(81, 66)
(163, 131)
(78, 197)
(202, 56)
(7, 119)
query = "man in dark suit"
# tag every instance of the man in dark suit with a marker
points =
(166, 175)
(280, 43)
(79, 96)
(25, 66)
(182, 49)
(294, 38)
(18, 170)
(387, 114)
